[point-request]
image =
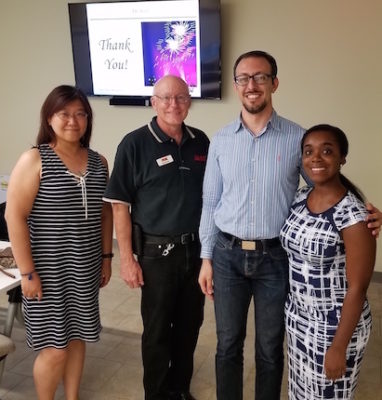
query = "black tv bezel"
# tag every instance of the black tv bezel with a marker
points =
(210, 41)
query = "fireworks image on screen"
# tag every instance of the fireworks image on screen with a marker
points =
(169, 48)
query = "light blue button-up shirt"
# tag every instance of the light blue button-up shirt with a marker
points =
(250, 181)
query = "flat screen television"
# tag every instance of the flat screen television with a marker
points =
(120, 49)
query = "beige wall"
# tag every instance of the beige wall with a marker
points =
(328, 51)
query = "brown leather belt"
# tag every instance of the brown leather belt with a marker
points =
(259, 245)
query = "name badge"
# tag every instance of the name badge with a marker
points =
(165, 160)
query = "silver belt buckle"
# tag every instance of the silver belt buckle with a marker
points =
(248, 245)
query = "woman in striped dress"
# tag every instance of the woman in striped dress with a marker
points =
(61, 235)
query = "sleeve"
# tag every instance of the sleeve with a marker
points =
(212, 191)
(121, 186)
(351, 212)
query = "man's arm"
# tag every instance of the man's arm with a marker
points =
(131, 271)
(374, 219)
(212, 190)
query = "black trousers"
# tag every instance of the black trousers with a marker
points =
(172, 312)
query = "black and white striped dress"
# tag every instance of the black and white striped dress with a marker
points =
(65, 232)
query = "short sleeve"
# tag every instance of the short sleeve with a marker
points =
(121, 185)
(350, 211)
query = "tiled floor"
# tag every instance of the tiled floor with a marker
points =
(113, 368)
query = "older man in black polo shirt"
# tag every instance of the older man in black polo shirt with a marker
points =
(156, 192)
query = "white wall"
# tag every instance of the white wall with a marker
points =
(328, 51)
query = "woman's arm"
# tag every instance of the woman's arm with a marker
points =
(360, 248)
(107, 237)
(22, 190)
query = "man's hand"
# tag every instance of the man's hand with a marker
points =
(205, 279)
(131, 273)
(374, 219)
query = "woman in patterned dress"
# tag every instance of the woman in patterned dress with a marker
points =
(61, 236)
(331, 256)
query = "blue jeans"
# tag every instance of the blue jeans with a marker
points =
(240, 275)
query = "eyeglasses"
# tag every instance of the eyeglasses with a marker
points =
(260, 79)
(180, 98)
(78, 116)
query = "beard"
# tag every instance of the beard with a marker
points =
(255, 109)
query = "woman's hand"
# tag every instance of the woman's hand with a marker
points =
(335, 363)
(105, 272)
(32, 288)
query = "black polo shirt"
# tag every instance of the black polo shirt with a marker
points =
(161, 180)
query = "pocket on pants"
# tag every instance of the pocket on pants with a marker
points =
(222, 242)
(153, 251)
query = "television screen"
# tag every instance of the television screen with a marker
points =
(120, 49)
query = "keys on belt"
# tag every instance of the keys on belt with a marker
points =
(169, 247)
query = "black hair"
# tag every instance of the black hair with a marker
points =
(343, 144)
(257, 54)
(56, 100)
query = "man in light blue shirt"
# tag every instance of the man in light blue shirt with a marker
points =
(252, 174)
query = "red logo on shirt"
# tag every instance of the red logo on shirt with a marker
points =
(200, 157)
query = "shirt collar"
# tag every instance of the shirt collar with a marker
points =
(162, 137)
(274, 122)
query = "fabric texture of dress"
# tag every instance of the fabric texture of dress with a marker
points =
(318, 287)
(65, 233)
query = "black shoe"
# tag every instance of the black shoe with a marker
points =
(181, 396)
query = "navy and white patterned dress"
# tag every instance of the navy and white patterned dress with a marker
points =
(65, 233)
(318, 286)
